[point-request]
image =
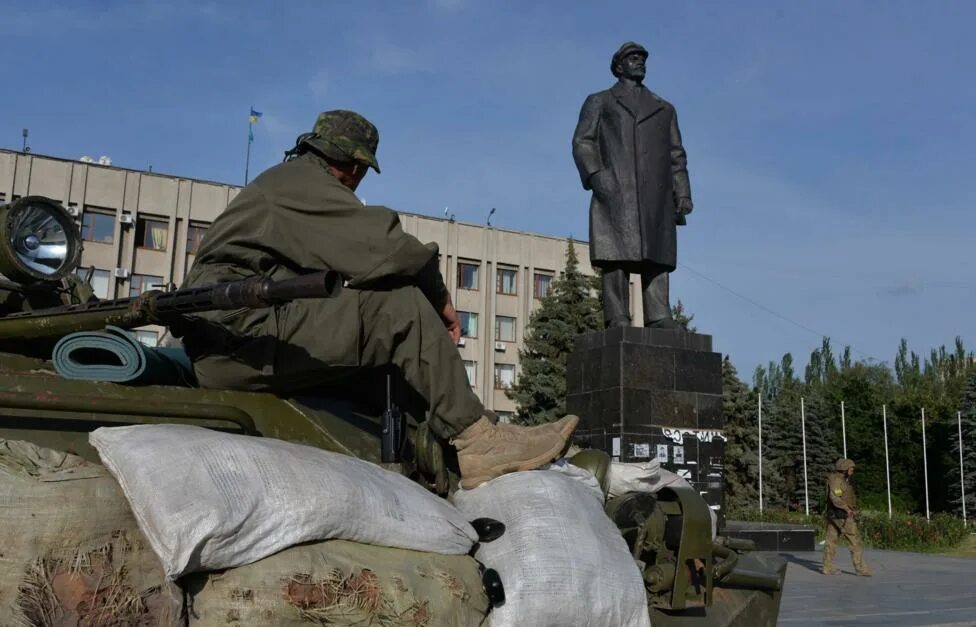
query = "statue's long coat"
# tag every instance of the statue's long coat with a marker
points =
(635, 137)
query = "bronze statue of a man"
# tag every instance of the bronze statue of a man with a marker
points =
(627, 148)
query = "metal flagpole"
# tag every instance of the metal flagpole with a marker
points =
(843, 428)
(962, 476)
(803, 429)
(760, 455)
(250, 138)
(884, 419)
(925, 467)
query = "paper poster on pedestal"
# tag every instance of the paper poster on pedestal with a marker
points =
(679, 454)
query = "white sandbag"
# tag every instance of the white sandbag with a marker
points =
(208, 500)
(640, 477)
(70, 550)
(562, 561)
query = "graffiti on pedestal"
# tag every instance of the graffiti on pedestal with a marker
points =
(702, 435)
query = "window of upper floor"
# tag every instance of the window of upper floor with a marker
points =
(467, 275)
(151, 233)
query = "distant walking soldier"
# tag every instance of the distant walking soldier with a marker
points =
(841, 507)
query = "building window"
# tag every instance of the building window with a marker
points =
(504, 376)
(99, 281)
(505, 283)
(541, 285)
(152, 233)
(139, 283)
(504, 329)
(3, 198)
(469, 323)
(149, 338)
(505, 416)
(194, 237)
(98, 227)
(467, 276)
(471, 369)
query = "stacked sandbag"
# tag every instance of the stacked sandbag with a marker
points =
(208, 500)
(647, 477)
(336, 582)
(561, 560)
(71, 552)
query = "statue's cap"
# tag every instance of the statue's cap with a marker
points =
(623, 51)
(345, 136)
(843, 465)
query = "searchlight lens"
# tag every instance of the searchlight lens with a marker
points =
(40, 241)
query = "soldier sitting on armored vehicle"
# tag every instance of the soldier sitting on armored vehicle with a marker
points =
(302, 216)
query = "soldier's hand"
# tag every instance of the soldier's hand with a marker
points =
(850, 513)
(684, 206)
(451, 321)
(602, 183)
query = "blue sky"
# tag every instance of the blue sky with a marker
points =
(831, 145)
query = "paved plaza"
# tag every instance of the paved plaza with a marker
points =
(907, 589)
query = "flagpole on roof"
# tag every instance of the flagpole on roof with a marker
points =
(250, 138)
(252, 118)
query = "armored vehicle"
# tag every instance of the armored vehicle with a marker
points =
(690, 577)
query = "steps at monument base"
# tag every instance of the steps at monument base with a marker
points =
(773, 536)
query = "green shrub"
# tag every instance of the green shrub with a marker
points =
(879, 503)
(910, 532)
(902, 532)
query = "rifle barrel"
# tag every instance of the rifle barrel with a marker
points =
(156, 307)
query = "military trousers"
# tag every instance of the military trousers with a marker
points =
(847, 528)
(616, 294)
(309, 342)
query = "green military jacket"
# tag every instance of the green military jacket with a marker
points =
(297, 218)
(840, 495)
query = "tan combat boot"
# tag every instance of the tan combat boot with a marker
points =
(486, 450)
(564, 427)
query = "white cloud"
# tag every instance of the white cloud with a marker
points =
(319, 84)
(390, 58)
(450, 5)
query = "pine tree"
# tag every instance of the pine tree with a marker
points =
(968, 409)
(742, 441)
(683, 318)
(569, 309)
(821, 452)
(822, 426)
(782, 444)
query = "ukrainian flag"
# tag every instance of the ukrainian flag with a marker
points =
(253, 117)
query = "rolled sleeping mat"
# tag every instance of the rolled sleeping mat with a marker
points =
(116, 355)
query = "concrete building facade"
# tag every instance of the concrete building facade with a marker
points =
(141, 230)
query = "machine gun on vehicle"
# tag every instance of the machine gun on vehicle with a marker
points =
(39, 250)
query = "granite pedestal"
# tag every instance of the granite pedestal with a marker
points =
(651, 393)
(773, 536)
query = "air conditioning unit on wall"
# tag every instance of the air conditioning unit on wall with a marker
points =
(126, 218)
(501, 346)
(121, 273)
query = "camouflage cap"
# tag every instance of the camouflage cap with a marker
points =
(843, 465)
(346, 136)
(623, 51)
